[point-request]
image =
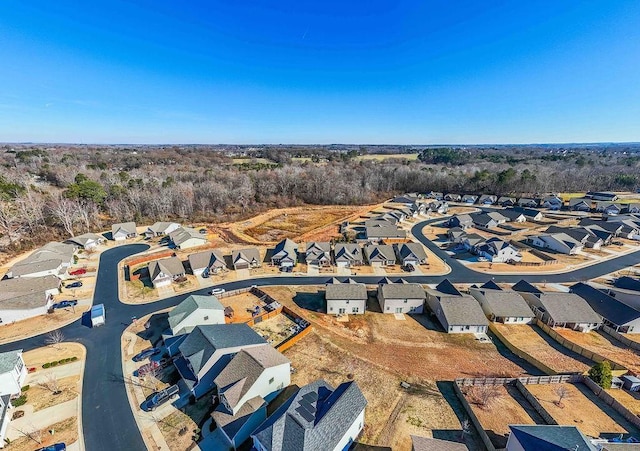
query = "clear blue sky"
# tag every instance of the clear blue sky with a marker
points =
(243, 71)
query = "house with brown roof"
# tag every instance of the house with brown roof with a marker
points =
(163, 272)
(246, 258)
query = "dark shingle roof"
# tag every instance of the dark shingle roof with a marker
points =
(351, 291)
(525, 287)
(434, 444)
(190, 305)
(610, 308)
(551, 438)
(447, 287)
(627, 283)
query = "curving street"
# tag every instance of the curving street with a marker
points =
(107, 420)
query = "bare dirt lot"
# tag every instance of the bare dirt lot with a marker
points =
(581, 408)
(41, 398)
(604, 345)
(533, 341)
(242, 305)
(275, 330)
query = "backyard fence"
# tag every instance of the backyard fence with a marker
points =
(546, 416)
(611, 401)
(526, 380)
(149, 257)
(474, 419)
(621, 338)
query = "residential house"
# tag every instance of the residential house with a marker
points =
(608, 208)
(123, 231)
(607, 196)
(452, 197)
(26, 297)
(164, 271)
(487, 199)
(527, 202)
(625, 292)
(194, 311)
(456, 234)
(542, 438)
(557, 242)
(380, 254)
(285, 254)
(469, 199)
(406, 199)
(585, 236)
(436, 206)
(207, 350)
(318, 254)
(161, 229)
(377, 231)
(252, 378)
(316, 417)
(349, 297)
(435, 195)
(496, 250)
(411, 253)
(462, 221)
(246, 258)
(471, 241)
(457, 312)
(186, 238)
(488, 220)
(530, 213)
(207, 262)
(552, 202)
(52, 259)
(559, 309)
(401, 297)
(347, 255)
(580, 204)
(13, 373)
(633, 208)
(434, 444)
(86, 241)
(418, 209)
(506, 201)
(503, 306)
(513, 216)
(616, 314)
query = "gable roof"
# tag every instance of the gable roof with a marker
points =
(506, 303)
(286, 247)
(316, 417)
(206, 259)
(512, 215)
(551, 438)
(525, 287)
(379, 252)
(317, 249)
(203, 341)
(491, 285)
(8, 360)
(190, 305)
(84, 239)
(462, 310)
(528, 212)
(171, 266)
(249, 254)
(483, 219)
(568, 308)
(606, 306)
(348, 251)
(412, 250)
(161, 227)
(627, 283)
(447, 287)
(50, 256)
(126, 227)
(402, 290)
(183, 234)
(347, 291)
(384, 229)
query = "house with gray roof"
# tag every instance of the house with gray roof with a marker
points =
(602, 195)
(194, 311)
(552, 202)
(246, 258)
(51, 259)
(452, 197)
(456, 234)
(513, 216)
(471, 240)
(531, 214)
(207, 262)
(469, 199)
(285, 254)
(580, 204)
(207, 350)
(487, 220)
(557, 242)
(26, 297)
(496, 250)
(161, 229)
(316, 417)
(456, 312)
(461, 221)
(547, 438)
(380, 254)
(318, 254)
(617, 315)
(347, 297)
(347, 255)
(186, 238)
(487, 199)
(377, 231)
(506, 201)
(401, 297)
(164, 271)
(252, 378)
(13, 372)
(411, 253)
(503, 306)
(123, 231)
(86, 241)
(585, 236)
(609, 208)
(434, 444)
(561, 309)
(528, 202)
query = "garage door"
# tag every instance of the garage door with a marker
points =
(242, 266)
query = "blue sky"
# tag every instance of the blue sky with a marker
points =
(284, 71)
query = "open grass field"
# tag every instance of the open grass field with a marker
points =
(533, 341)
(393, 156)
(581, 408)
(604, 345)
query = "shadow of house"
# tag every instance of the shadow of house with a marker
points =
(108, 236)
(471, 439)
(506, 353)
(314, 302)
(558, 347)
(428, 321)
(267, 256)
(228, 260)
(372, 302)
(142, 274)
(154, 327)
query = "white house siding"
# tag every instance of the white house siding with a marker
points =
(162, 281)
(120, 236)
(466, 329)
(198, 271)
(334, 306)
(342, 264)
(50, 272)
(12, 381)
(281, 375)
(352, 433)
(413, 306)
(9, 316)
(515, 320)
(3, 428)
(201, 317)
(192, 242)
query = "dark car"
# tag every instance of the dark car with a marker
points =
(73, 285)
(64, 304)
(56, 447)
(146, 354)
(408, 267)
(162, 396)
(203, 231)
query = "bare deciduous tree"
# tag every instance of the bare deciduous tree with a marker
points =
(65, 212)
(54, 338)
(50, 382)
(483, 395)
(563, 393)
(32, 433)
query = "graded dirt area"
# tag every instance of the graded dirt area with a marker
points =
(242, 305)
(179, 427)
(533, 341)
(604, 345)
(580, 408)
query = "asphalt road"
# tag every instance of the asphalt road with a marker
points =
(108, 422)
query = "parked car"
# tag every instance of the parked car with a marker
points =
(408, 267)
(152, 366)
(56, 447)
(203, 231)
(162, 396)
(146, 354)
(217, 291)
(78, 272)
(73, 285)
(64, 304)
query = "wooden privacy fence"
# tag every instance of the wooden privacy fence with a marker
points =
(474, 419)
(611, 401)
(546, 416)
(525, 380)
(227, 294)
(264, 316)
(149, 257)
(621, 338)
(289, 342)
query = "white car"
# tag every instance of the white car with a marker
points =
(217, 291)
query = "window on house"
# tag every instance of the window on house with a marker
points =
(355, 310)
(330, 309)
(271, 380)
(206, 318)
(405, 301)
(466, 327)
(388, 308)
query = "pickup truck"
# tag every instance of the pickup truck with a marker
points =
(162, 396)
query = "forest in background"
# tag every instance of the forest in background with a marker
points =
(55, 191)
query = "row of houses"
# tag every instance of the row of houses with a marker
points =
(350, 297)
(247, 374)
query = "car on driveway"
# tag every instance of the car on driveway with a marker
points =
(146, 354)
(78, 272)
(217, 291)
(152, 366)
(73, 285)
(161, 397)
(408, 267)
(56, 447)
(65, 304)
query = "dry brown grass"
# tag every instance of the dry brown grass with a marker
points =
(66, 432)
(178, 428)
(39, 356)
(39, 324)
(41, 398)
(629, 399)
(241, 303)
